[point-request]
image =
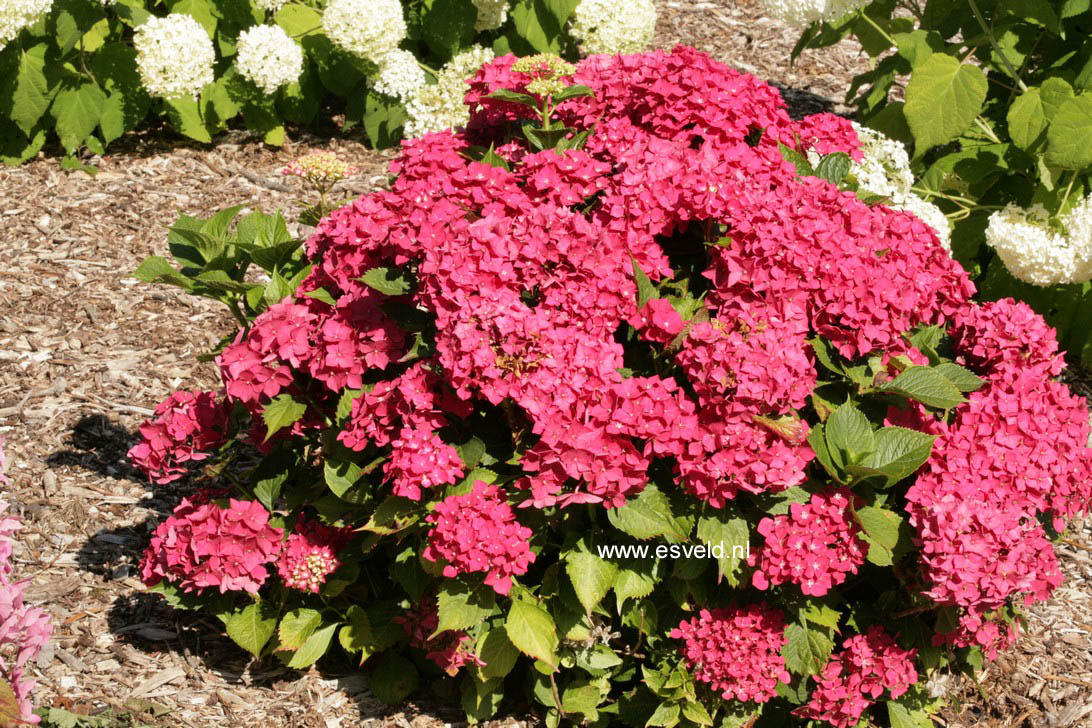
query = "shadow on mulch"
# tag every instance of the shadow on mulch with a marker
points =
(99, 445)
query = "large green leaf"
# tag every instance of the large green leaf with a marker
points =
(725, 528)
(497, 652)
(313, 648)
(296, 627)
(807, 649)
(32, 89)
(281, 412)
(459, 606)
(635, 580)
(1069, 138)
(448, 26)
(252, 626)
(925, 385)
(532, 631)
(899, 452)
(77, 110)
(942, 99)
(185, 116)
(849, 435)
(649, 515)
(1027, 119)
(591, 576)
(127, 103)
(393, 678)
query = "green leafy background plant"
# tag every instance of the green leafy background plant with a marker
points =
(997, 108)
(71, 80)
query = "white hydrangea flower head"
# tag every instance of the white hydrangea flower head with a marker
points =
(174, 56)
(885, 166)
(270, 5)
(491, 14)
(614, 26)
(1037, 253)
(268, 57)
(367, 28)
(400, 75)
(440, 106)
(15, 15)
(802, 13)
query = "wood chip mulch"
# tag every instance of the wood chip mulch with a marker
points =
(86, 352)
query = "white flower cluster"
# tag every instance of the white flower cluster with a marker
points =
(1035, 252)
(367, 28)
(614, 26)
(440, 106)
(491, 14)
(884, 170)
(174, 56)
(268, 57)
(400, 75)
(802, 13)
(270, 5)
(18, 14)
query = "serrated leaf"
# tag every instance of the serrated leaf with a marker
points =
(881, 525)
(388, 281)
(964, 379)
(532, 631)
(925, 385)
(314, 648)
(730, 531)
(899, 452)
(1027, 120)
(185, 116)
(296, 627)
(582, 697)
(497, 652)
(575, 91)
(1069, 138)
(633, 581)
(33, 89)
(282, 411)
(356, 634)
(10, 712)
(807, 650)
(647, 516)
(848, 435)
(943, 98)
(591, 577)
(834, 167)
(796, 159)
(252, 626)
(460, 607)
(157, 269)
(902, 716)
(818, 613)
(394, 514)
(393, 678)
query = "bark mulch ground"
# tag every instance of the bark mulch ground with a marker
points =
(86, 351)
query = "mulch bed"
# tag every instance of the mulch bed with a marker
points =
(86, 352)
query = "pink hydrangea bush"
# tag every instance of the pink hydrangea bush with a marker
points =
(24, 630)
(630, 321)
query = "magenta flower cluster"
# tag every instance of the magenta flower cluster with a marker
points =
(24, 630)
(310, 555)
(185, 428)
(736, 651)
(203, 546)
(478, 532)
(816, 545)
(867, 667)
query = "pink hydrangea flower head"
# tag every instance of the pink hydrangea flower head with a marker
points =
(420, 459)
(24, 630)
(867, 667)
(816, 545)
(478, 532)
(736, 651)
(310, 555)
(184, 428)
(199, 547)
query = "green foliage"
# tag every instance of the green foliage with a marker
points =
(998, 110)
(73, 78)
